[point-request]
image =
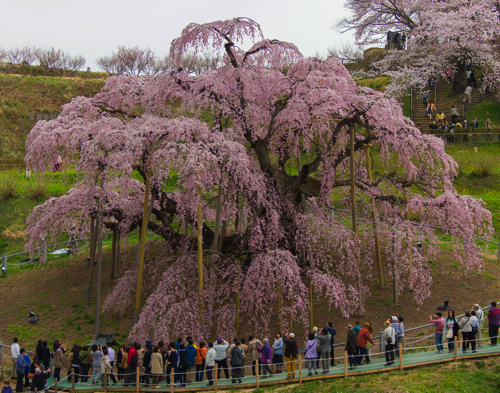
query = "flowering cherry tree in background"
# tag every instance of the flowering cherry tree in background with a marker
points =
(236, 133)
(440, 34)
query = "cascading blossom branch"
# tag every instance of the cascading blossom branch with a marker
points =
(234, 133)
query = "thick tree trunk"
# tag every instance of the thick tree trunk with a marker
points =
(460, 78)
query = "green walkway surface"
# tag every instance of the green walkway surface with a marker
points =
(377, 365)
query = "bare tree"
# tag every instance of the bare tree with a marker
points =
(49, 58)
(110, 65)
(359, 58)
(133, 61)
(71, 64)
(22, 56)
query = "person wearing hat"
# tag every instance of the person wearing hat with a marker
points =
(266, 358)
(350, 346)
(480, 317)
(394, 321)
(220, 347)
(364, 337)
(389, 338)
(332, 332)
(438, 320)
(291, 351)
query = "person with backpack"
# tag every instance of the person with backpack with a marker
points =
(132, 362)
(350, 346)
(389, 338)
(311, 352)
(191, 352)
(364, 337)
(465, 325)
(475, 330)
(480, 317)
(237, 363)
(324, 344)
(430, 108)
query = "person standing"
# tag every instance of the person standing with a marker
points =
(14, 352)
(45, 359)
(112, 358)
(132, 362)
(451, 326)
(465, 325)
(74, 363)
(493, 322)
(171, 364)
(473, 79)
(21, 365)
(324, 344)
(454, 114)
(191, 351)
(237, 363)
(106, 368)
(311, 352)
(265, 359)
(85, 363)
(146, 363)
(220, 347)
(430, 108)
(364, 337)
(253, 346)
(291, 351)
(40, 379)
(438, 330)
(278, 352)
(119, 362)
(475, 126)
(475, 328)
(156, 367)
(58, 358)
(38, 350)
(480, 318)
(395, 325)
(332, 332)
(201, 354)
(183, 364)
(467, 93)
(448, 74)
(350, 346)
(389, 337)
(96, 364)
(210, 362)
(400, 337)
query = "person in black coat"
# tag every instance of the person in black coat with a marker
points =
(183, 364)
(40, 379)
(45, 355)
(146, 362)
(38, 350)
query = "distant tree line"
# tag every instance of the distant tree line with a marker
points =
(55, 60)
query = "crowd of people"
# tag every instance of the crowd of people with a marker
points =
(189, 362)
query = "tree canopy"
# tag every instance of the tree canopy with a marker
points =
(236, 133)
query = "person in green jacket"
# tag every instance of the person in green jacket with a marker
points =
(85, 362)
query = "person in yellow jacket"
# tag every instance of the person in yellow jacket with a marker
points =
(440, 116)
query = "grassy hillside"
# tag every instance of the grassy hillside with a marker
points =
(21, 94)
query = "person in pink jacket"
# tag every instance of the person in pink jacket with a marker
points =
(438, 320)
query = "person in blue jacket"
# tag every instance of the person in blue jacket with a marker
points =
(6, 387)
(278, 352)
(191, 352)
(332, 332)
(21, 369)
(27, 370)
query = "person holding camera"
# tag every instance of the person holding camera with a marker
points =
(438, 320)
(389, 337)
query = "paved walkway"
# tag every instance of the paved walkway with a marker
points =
(376, 365)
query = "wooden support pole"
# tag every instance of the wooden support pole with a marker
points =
(99, 268)
(353, 182)
(238, 302)
(310, 305)
(217, 216)
(291, 315)
(138, 378)
(375, 226)
(141, 251)
(1, 360)
(300, 368)
(113, 256)
(216, 377)
(116, 273)
(345, 363)
(257, 373)
(72, 379)
(456, 348)
(200, 258)
(106, 382)
(91, 256)
(400, 358)
(172, 379)
(280, 306)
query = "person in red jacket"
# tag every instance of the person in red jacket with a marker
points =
(364, 336)
(132, 361)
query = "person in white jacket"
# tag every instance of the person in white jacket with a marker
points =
(221, 347)
(210, 363)
(480, 317)
(14, 352)
(389, 337)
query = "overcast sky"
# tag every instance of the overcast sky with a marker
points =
(94, 28)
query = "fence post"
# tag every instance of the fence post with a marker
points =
(217, 375)
(73, 379)
(400, 358)
(172, 379)
(138, 378)
(456, 348)
(105, 381)
(4, 261)
(55, 385)
(381, 344)
(257, 373)
(300, 368)
(345, 364)
(498, 259)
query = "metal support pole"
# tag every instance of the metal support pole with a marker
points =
(4, 261)
(141, 251)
